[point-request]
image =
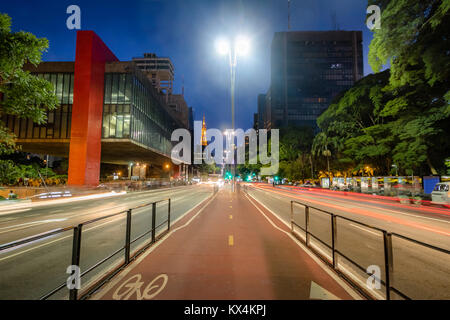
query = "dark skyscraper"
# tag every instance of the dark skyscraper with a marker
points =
(308, 69)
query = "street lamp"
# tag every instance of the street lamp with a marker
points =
(240, 47)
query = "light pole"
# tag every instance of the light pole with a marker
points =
(240, 47)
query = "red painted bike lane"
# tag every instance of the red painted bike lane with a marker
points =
(226, 250)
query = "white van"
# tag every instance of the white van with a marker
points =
(441, 193)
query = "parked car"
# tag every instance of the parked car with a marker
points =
(441, 193)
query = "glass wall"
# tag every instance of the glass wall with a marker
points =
(58, 120)
(131, 111)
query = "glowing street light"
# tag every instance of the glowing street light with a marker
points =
(240, 47)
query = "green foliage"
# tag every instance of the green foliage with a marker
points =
(24, 95)
(8, 172)
(413, 38)
(295, 152)
(399, 116)
(14, 174)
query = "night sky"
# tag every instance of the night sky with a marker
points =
(186, 31)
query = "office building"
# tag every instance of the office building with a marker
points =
(308, 69)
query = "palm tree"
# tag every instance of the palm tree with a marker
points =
(321, 146)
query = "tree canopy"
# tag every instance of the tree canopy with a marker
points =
(21, 93)
(401, 115)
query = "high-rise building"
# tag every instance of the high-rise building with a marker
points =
(159, 70)
(308, 69)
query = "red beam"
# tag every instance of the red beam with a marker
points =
(86, 129)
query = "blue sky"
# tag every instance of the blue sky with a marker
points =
(186, 31)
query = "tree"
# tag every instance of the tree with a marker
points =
(295, 156)
(21, 93)
(353, 130)
(414, 40)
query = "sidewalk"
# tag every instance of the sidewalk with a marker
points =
(227, 250)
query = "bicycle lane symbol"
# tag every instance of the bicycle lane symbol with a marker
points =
(134, 285)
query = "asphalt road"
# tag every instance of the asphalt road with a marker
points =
(31, 270)
(419, 272)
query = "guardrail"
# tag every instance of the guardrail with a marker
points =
(76, 245)
(335, 252)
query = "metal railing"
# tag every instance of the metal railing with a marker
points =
(76, 246)
(335, 253)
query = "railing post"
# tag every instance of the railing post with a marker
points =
(76, 248)
(306, 225)
(153, 222)
(388, 262)
(128, 238)
(292, 216)
(168, 216)
(334, 240)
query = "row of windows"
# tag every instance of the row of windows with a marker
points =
(116, 126)
(118, 88)
(144, 101)
(144, 130)
(62, 85)
(57, 127)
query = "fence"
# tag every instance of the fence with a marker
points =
(329, 242)
(126, 248)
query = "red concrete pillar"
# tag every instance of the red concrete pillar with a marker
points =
(86, 129)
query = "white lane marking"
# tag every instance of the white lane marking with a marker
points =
(101, 196)
(364, 229)
(413, 215)
(25, 244)
(387, 210)
(121, 275)
(333, 275)
(18, 226)
(318, 293)
(368, 206)
(50, 242)
(16, 211)
(86, 230)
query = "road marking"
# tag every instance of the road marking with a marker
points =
(231, 207)
(370, 213)
(130, 268)
(364, 229)
(50, 242)
(366, 204)
(319, 262)
(318, 293)
(231, 216)
(15, 211)
(134, 287)
(18, 226)
(231, 240)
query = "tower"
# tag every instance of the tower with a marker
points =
(204, 141)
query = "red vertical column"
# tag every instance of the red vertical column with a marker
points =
(86, 128)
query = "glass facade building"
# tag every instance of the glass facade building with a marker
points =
(58, 120)
(308, 69)
(133, 110)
